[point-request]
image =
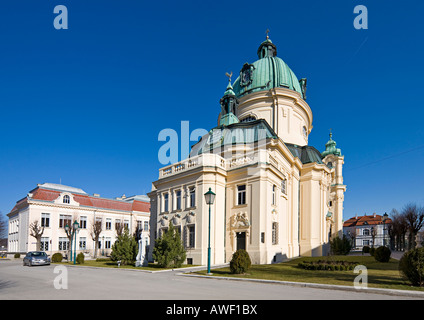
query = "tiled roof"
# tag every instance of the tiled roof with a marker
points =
(46, 194)
(365, 220)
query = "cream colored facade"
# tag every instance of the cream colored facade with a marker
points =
(48, 205)
(276, 197)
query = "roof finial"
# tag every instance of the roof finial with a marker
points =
(229, 75)
(267, 31)
(331, 134)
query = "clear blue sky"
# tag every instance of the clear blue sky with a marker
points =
(86, 105)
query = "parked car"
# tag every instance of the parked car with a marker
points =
(36, 258)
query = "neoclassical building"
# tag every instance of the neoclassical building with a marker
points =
(53, 206)
(276, 196)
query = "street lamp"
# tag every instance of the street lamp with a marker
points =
(210, 198)
(385, 216)
(75, 230)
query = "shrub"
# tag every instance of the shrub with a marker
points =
(240, 262)
(340, 246)
(372, 251)
(124, 249)
(327, 265)
(57, 257)
(411, 266)
(80, 258)
(382, 254)
(366, 249)
(169, 250)
(17, 255)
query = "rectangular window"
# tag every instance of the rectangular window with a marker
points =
(241, 194)
(44, 245)
(45, 220)
(65, 220)
(262, 237)
(284, 186)
(146, 226)
(165, 202)
(191, 236)
(192, 197)
(108, 224)
(108, 242)
(83, 222)
(178, 199)
(274, 233)
(274, 189)
(82, 243)
(127, 224)
(63, 244)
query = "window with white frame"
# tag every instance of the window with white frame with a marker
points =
(192, 192)
(44, 244)
(275, 233)
(284, 186)
(178, 199)
(241, 194)
(274, 190)
(65, 220)
(63, 243)
(108, 224)
(66, 199)
(108, 243)
(191, 236)
(83, 222)
(127, 224)
(45, 220)
(82, 243)
(146, 226)
(165, 202)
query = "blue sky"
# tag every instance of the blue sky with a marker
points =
(84, 106)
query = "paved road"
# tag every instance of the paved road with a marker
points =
(19, 282)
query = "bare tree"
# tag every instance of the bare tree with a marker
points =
(119, 227)
(96, 229)
(414, 217)
(399, 228)
(36, 231)
(3, 226)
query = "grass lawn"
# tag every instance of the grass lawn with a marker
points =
(380, 275)
(104, 263)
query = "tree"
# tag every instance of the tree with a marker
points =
(70, 232)
(124, 249)
(414, 217)
(36, 231)
(96, 229)
(340, 246)
(169, 250)
(399, 229)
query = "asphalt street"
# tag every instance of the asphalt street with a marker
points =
(84, 283)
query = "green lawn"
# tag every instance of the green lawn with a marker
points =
(380, 275)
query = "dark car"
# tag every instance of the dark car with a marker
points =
(36, 258)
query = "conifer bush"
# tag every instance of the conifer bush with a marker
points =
(169, 251)
(411, 267)
(124, 249)
(80, 258)
(240, 262)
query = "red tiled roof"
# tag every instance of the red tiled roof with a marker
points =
(365, 220)
(42, 194)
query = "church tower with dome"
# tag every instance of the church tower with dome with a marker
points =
(276, 196)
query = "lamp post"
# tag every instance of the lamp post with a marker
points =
(385, 216)
(75, 230)
(210, 198)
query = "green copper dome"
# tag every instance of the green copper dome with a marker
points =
(266, 73)
(330, 148)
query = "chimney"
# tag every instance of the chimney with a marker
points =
(374, 214)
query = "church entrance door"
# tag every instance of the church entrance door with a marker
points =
(241, 240)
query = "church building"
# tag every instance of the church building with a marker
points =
(276, 196)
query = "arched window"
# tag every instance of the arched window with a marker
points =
(66, 199)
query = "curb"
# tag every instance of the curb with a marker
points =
(391, 292)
